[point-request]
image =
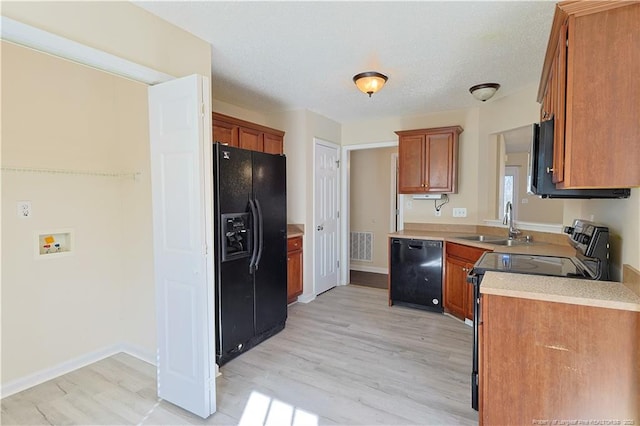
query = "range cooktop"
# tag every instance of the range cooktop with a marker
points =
(531, 264)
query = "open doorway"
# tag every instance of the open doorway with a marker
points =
(371, 212)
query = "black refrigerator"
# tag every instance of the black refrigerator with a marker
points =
(250, 220)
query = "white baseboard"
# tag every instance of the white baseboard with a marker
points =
(306, 298)
(140, 353)
(47, 374)
(365, 268)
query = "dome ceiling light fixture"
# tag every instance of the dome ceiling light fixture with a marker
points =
(484, 91)
(370, 82)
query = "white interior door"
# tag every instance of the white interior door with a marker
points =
(179, 123)
(326, 216)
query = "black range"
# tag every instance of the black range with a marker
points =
(591, 242)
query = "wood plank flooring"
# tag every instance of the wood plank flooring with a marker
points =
(345, 358)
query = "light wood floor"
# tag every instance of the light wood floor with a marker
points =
(345, 358)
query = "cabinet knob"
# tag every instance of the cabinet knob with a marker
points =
(549, 169)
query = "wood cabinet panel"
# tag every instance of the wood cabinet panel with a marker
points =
(440, 176)
(225, 133)
(246, 135)
(558, 87)
(251, 139)
(546, 360)
(294, 268)
(411, 173)
(455, 287)
(458, 294)
(590, 62)
(428, 160)
(469, 302)
(273, 144)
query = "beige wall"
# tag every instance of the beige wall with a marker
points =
(496, 116)
(238, 112)
(301, 127)
(119, 28)
(382, 130)
(536, 209)
(623, 219)
(62, 115)
(370, 201)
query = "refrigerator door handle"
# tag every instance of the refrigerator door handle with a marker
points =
(254, 249)
(261, 234)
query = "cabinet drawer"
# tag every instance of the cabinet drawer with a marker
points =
(471, 254)
(294, 243)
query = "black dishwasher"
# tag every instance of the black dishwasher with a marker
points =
(416, 273)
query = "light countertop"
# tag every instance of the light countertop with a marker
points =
(295, 230)
(602, 294)
(539, 248)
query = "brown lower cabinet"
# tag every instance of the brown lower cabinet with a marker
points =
(544, 362)
(458, 294)
(294, 268)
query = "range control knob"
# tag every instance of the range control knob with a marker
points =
(583, 238)
(568, 230)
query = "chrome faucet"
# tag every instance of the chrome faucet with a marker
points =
(508, 219)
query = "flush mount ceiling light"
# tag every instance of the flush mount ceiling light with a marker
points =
(484, 91)
(370, 82)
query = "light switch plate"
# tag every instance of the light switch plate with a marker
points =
(459, 212)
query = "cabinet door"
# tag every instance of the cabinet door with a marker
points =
(558, 107)
(411, 152)
(469, 302)
(273, 144)
(455, 287)
(225, 133)
(440, 176)
(250, 139)
(547, 111)
(294, 268)
(602, 130)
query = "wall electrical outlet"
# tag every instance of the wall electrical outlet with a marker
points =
(459, 212)
(24, 208)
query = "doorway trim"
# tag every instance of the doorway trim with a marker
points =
(345, 209)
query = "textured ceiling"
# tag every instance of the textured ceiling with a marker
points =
(273, 56)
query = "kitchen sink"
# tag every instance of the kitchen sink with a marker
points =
(510, 242)
(483, 238)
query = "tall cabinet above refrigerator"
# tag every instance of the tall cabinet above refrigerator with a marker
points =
(250, 249)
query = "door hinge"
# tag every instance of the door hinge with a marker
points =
(338, 163)
(202, 109)
(338, 264)
(338, 214)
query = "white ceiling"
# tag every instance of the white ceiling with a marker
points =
(274, 56)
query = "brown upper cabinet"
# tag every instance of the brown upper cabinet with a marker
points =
(428, 160)
(590, 87)
(244, 134)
